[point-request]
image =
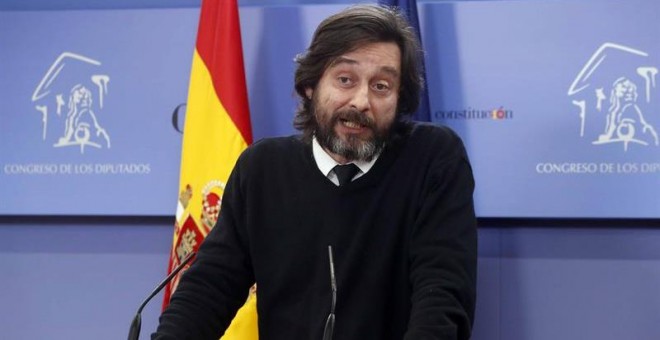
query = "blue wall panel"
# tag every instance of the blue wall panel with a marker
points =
(73, 277)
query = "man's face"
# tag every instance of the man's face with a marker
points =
(355, 101)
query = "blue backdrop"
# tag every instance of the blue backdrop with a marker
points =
(531, 87)
(87, 109)
(555, 103)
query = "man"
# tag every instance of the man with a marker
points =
(390, 251)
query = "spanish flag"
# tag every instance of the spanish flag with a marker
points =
(216, 131)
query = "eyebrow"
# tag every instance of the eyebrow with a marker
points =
(344, 60)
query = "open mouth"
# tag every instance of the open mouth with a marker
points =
(351, 124)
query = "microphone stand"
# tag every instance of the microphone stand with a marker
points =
(134, 332)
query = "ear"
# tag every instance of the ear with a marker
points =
(309, 92)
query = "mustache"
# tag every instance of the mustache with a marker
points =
(354, 116)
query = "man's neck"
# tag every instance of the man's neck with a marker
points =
(325, 160)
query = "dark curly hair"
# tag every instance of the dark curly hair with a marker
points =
(347, 31)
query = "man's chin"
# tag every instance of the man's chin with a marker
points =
(363, 136)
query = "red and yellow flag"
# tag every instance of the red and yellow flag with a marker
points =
(216, 131)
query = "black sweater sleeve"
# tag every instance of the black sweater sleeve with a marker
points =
(443, 253)
(216, 285)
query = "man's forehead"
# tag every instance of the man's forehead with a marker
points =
(388, 68)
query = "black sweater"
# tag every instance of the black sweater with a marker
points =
(403, 235)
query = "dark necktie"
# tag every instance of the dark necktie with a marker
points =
(345, 173)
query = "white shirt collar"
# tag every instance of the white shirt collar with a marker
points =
(325, 163)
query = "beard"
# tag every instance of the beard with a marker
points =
(352, 147)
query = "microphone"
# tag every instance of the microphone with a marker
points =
(134, 332)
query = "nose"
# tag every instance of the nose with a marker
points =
(360, 100)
